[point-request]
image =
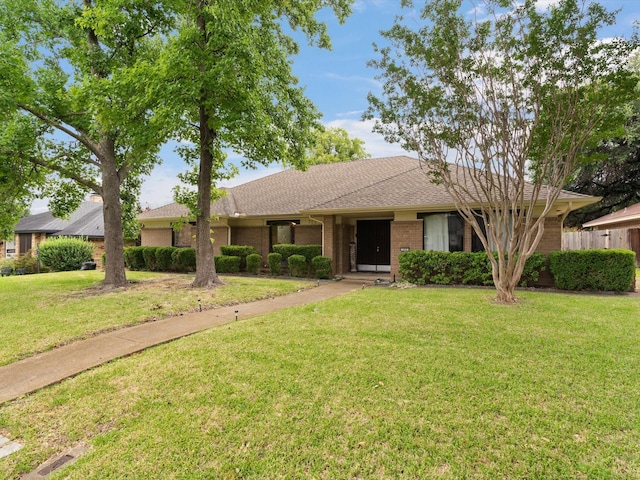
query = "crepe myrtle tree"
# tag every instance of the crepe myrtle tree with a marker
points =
(77, 78)
(499, 105)
(230, 84)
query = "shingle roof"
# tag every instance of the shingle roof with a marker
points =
(86, 221)
(375, 184)
(631, 212)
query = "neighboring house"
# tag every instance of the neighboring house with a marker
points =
(628, 217)
(363, 213)
(86, 222)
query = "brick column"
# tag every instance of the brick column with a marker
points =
(405, 234)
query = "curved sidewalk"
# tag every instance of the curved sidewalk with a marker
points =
(33, 373)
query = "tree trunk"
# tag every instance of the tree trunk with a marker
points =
(115, 276)
(206, 276)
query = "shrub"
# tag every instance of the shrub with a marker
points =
(275, 263)
(184, 259)
(254, 262)
(134, 258)
(241, 251)
(63, 254)
(459, 268)
(598, 269)
(227, 263)
(297, 265)
(149, 256)
(307, 251)
(322, 266)
(163, 258)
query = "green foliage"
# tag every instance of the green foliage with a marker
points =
(184, 259)
(333, 145)
(275, 263)
(227, 263)
(297, 265)
(459, 268)
(63, 254)
(595, 270)
(164, 258)
(321, 266)
(307, 251)
(241, 251)
(149, 256)
(134, 258)
(23, 263)
(254, 262)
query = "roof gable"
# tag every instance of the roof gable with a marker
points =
(632, 212)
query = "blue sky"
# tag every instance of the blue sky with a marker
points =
(338, 81)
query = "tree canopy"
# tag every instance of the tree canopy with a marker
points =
(500, 106)
(333, 145)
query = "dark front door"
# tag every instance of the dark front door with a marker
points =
(374, 245)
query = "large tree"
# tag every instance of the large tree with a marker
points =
(229, 76)
(612, 172)
(77, 78)
(499, 105)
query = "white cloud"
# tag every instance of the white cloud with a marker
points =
(374, 143)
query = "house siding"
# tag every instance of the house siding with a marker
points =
(156, 237)
(308, 235)
(257, 237)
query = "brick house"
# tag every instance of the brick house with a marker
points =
(363, 213)
(86, 222)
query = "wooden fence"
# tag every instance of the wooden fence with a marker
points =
(627, 238)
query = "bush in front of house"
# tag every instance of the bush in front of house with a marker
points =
(227, 263)
(321, 266)
(275, 263)
(254, 262)
(63, 254)
(307, 251)
(134, 258)
(297, 265)
(150, 260)
(184, 259)
(242, 251)
(459, 268)
(596, 270)
(164, 262)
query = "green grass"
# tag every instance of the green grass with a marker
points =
(39, 312)
(381, 383)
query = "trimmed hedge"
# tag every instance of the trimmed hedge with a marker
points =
(596, 270)
(227, 263)
(297, 265)
(254, 262)
(63, 254)
(242, 251)
(184, 259)
(459, 268)
(321, 266)
(307, 251)
(275, 263)
(134, 258)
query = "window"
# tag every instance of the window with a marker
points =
(443, 232)
(282, 232)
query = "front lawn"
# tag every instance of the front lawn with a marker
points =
(378, 384)
(39, 312)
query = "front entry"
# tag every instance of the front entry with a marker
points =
(373, 239)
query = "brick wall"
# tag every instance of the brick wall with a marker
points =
(308, 235)
(156, 237)
(257, 237)
(405, 234)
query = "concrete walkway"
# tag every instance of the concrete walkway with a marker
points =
(33, 373)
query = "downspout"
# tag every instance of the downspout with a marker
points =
(564, 216)
(321, 223)
(228, 229)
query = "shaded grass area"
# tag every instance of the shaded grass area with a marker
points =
(381, 383)
(40, 312)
